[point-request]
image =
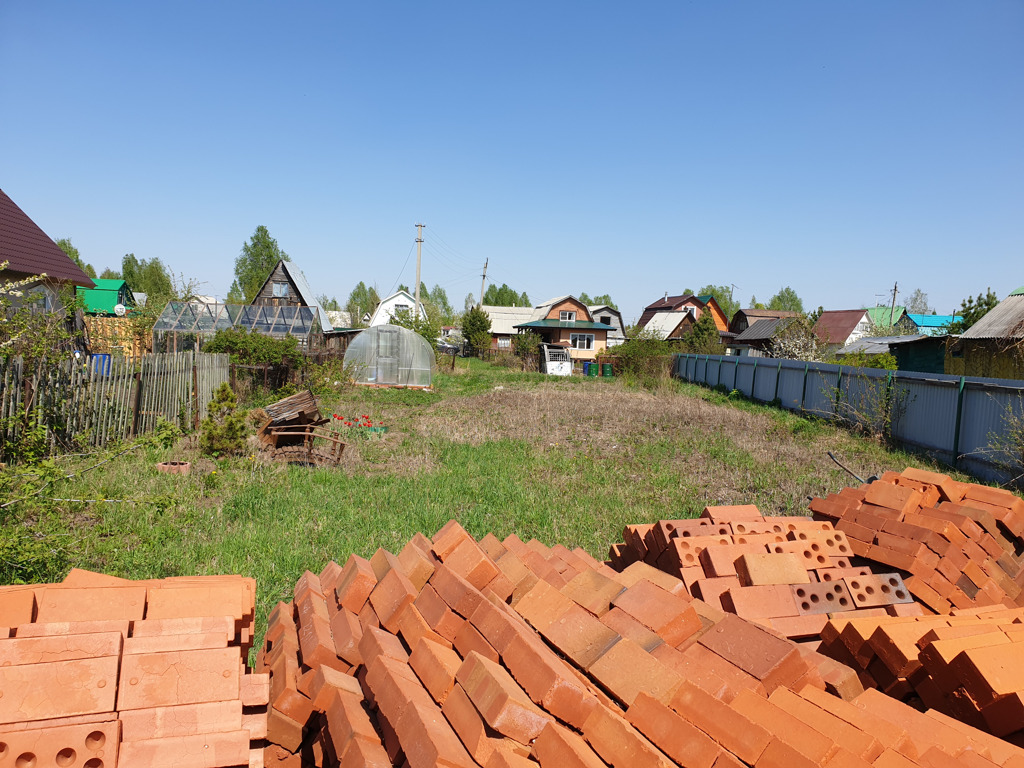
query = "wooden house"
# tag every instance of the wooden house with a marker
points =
(287, 287)
(839, 327)
(106, 296)
(567, 322)
(28, 252)
(699, 305)
(606, 315)
(994, 346)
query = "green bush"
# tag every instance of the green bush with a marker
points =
(251, 348)
(223, 431)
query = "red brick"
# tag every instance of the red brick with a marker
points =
(619, 743)
(893, 497)
(779, 754)
(156, 679)
(852, 739)
(437, 614)
(376, 642)
(734, 678)
(637, 571)
(417, 564)
(558, 747)
(593, 591)
(732, 730)
(207, 750)
(461, 596)
(732, 514)
(17, 606)
(711, 590)
(91, 604)
(721, 560)
(325, 682)
(500, 701)
(450, 535)
(769, 659)
(428, 740)
(468, 639)
(346, 631)
(760, 602)
(580, 636)
(766, 569)
(889, 735)
(467, 723)
(622, 623)
(472, 563)
(807, 741)
(390, 597)
(878, 589)
(810, 553)
(670, 616)
(823, 597)
(548, 680)
(355, 584)
(681, 741)
(626, 669)
(435, 666)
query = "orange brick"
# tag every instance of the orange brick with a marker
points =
(355, 584)
(619, 743)
(448, 538)
(500, 701)
(807, 741)
(765, 569)
(437, 614)
(852, 739)
(626, 669)
(670, 616)
(548, 680)
(472, 563)
(390, 597)
(558, 747)
(156, 679)
(732, 730)
(681, 741)
(760, 602)
(769, 659)
(732, 514)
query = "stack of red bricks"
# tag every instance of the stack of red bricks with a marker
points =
(967, 665)
(503, 653)
(959, 542)
(100, 672)
(787, 573)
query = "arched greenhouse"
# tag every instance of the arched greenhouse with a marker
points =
(390, 356)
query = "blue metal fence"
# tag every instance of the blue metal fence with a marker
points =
(956, 419)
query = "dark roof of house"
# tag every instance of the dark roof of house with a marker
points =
(877, 345)
(835, 325)
(762, 330)
(761, 314)
(665, 304)
(1004, 321)
(29, 251)
(574, 324)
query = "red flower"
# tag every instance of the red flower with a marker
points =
(348, 423)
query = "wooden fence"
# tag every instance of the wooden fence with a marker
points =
(106, 398)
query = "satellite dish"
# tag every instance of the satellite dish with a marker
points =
(120, 309)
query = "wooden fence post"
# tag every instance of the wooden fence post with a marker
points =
(137, 404)
(195, 394)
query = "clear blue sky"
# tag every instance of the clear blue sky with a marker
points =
(607, 147)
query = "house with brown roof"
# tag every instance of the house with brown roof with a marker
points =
(29, 251)
(698, 305)
(839, 327)
(567, 322)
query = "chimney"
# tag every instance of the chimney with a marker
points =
(666, 296)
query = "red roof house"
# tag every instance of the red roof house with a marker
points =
(30, 251)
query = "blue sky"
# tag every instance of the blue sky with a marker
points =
(622, 148)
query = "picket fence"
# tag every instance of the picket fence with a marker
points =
(101, 398)
(957, 420)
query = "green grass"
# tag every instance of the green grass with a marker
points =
(565, 461)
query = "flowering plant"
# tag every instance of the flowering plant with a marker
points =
(362, 421)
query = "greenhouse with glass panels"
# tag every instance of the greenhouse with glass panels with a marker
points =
(186, 325)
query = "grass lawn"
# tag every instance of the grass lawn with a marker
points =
(566, 461)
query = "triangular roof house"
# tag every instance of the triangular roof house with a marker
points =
(286, 285)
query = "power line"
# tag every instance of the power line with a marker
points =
(399, 278)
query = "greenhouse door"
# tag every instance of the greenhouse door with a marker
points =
(388, 347)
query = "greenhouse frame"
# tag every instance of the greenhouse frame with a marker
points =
(185, 325)
(390, 356)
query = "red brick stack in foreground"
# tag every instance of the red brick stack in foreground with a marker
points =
(959, 542)
(102, 672)
(502, 653)
(968, 665)
(787, 573)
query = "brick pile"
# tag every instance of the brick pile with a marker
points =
(967, 665)
(495, 653)
(101, 672)
(960, 543)
(787, 573)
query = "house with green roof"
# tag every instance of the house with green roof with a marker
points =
(103, 300)
(891, 317)
(567, 322)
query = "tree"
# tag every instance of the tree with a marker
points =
(704, 339)
(439, 298)
(330, 305)
(363, 300)
(755, 304)
(812, 317)
(426, 326)
(476, 328)
(72, 253)
(597, 301)
(110, 274)
(796, 340)
(254, 264)
(724, 298)
(469, 303)
(148, 276)
(786, 300)
(917, 304)
(972, 310)
(505, 297)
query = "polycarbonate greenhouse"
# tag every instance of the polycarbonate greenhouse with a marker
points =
(392, 356)
(185, 324)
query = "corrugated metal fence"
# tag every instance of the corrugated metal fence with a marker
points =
(107, 398)
(958, 420)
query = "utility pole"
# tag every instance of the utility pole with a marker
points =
(892, 312)
(419, 256)
(483, 281)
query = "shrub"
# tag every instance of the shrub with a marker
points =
(251, 348)
(223, 431)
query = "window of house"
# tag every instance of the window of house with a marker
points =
(605, 319)
(280, 290)
(567, 316)
(504, 342)
(581, 340)
(402, 307)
